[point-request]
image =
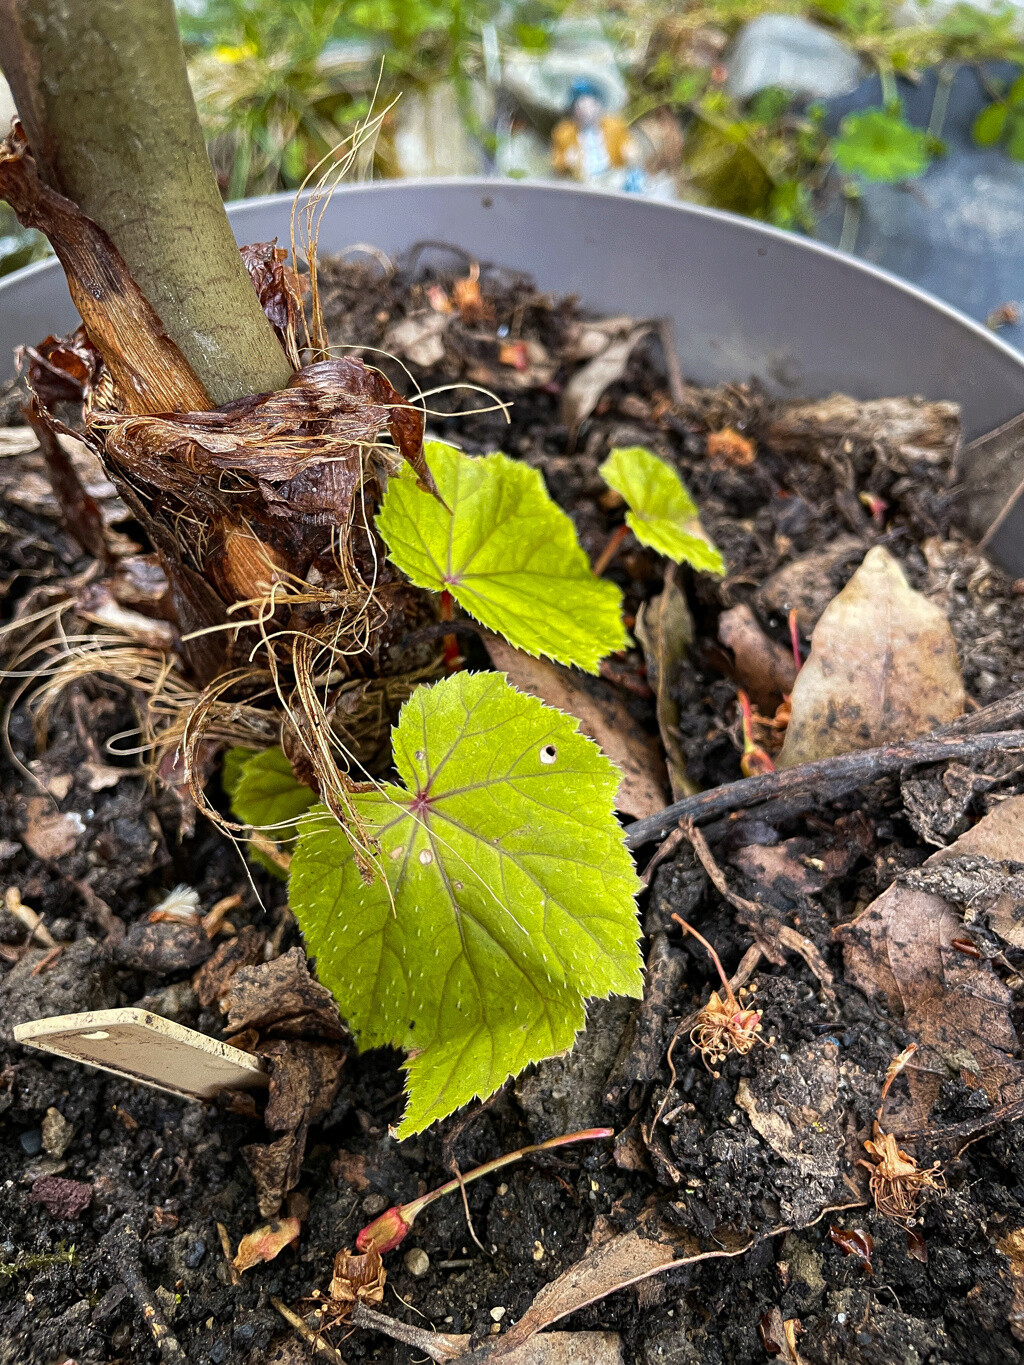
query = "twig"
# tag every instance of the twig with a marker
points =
(840, 774)
(437, 1345)
(673, 372)
(121, 1248)
(1005, 1113)
(692, 833)
(314, 1338)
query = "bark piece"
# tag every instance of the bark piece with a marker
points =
(150, 373)
(282, 1000)
(882, 669)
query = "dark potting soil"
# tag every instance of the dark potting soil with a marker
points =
(96, 858)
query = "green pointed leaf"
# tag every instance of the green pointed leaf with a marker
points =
(266, 795)
(506, 553)
(662, 514)
(509, 894)
(990, 124)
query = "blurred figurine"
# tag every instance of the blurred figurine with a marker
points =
(593, 146)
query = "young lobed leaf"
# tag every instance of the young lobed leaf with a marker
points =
(507, 896)
(662, 514)
(507, 554)
(265, 794)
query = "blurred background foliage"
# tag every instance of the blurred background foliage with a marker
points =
(279, 85)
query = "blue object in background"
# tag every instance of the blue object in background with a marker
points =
(958, 230)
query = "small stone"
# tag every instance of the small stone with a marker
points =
(498, 1313)
(791, 53)
(417, 1262)
(195, 1254)
(374, 1204)
(31, 1141)
(57, 1133)
(538, 1250)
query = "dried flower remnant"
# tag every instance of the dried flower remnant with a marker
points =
(723, 1024)
(897, 1183)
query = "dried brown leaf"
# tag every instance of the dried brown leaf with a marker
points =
(584, 390)
(903, 946)
(764, 669)
(882, 669)
(358, 1277)
(664, 628)
(50, 833)
(604, 719)
(266, 1243)
(212, 980)
(808, 584)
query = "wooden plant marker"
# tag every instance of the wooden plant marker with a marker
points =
(144, 1047)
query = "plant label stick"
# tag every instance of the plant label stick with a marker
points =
(144, 1047)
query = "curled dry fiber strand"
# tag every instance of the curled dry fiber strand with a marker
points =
(259, 512)
(896, 1181)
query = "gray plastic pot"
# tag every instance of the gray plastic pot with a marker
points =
(746, 300)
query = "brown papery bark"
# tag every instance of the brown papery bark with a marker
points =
(102, 90)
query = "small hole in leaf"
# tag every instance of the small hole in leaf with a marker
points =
(548, 753)
(419, 755)
(426, 856)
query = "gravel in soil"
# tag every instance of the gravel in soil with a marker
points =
(767, 1144)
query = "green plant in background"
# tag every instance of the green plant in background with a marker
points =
(768, 159)
(878, 144)
(18, 246)
(270, 103)
(1001, 124)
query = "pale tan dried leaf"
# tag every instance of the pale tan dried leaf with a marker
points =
(266, 1242)
(583, 392)
(637, 756)
(882, 668)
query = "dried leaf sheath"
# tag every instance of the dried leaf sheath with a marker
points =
(149, 371)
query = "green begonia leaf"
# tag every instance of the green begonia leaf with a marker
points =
(506, 553)
(266, 795)
(661, 512)
(509, 894)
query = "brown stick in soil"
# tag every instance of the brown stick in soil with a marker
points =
(121, 1248)
(825, 778)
